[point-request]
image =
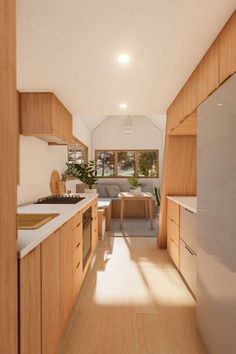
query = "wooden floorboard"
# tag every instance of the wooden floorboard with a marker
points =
(133, 301)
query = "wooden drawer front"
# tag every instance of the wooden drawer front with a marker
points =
(188, 265)
(173, 211)
(77, 257)
(77, 281)
(174, 252)
(173, 231)
(188, 228)
(77, 236)
(77, 220)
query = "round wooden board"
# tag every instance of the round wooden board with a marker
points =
(55, 178)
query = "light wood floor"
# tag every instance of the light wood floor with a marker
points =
(133, 301)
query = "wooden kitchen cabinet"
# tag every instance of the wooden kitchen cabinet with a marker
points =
(173, 238)
(176, 113)
(227, 49)
(94, 225)
(44, 116)
(66, 280)
(51, 293)
(77, 254)
(212, 60)
(30, 302)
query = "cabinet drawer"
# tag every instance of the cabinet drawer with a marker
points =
(77, 220)
(188, 265)
(77, 236)
(173, 231)
(188, 228)
(173, 211)
(173, 252)
(77, 257)
(77, 281)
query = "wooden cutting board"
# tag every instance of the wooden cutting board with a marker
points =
(55, 178)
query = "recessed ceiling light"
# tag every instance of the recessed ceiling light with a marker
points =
(123, 58)
(220, 104)
(123, 105)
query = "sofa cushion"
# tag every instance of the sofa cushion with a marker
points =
(102, 190)
(113, 190)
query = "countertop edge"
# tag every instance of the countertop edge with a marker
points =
(183, 203)
(21, 253)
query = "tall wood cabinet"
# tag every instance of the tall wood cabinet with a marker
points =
(8, 181)
(216, 66)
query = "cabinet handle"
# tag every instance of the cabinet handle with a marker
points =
(78, 245)
(78, 224)
(188, 249)
(78, 265)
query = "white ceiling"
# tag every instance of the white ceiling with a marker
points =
(70, 47)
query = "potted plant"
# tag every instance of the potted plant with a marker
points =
(85, 173)
(158, 198)
(135, 185)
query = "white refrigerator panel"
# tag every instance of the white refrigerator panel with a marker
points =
(216, 220)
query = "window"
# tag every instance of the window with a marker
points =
(126, 163)
(105, 163)
(77, 152)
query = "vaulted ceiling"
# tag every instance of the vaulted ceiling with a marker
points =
(71, 47)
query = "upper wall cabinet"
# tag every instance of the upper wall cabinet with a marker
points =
(227, 49)
(176, 111)
(44, 116)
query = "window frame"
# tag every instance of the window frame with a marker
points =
(136, 158)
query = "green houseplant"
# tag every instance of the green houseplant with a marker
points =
(158, 198)
(84, 172)
(135, 185)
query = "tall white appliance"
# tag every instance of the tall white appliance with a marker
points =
(216, 220)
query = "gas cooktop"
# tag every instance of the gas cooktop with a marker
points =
(60, 199)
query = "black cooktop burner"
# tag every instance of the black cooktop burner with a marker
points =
(60, 199)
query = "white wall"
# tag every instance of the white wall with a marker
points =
(37, 161)
(110, 135)
(81, 132)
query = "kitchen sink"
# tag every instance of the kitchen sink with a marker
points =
(33, 221)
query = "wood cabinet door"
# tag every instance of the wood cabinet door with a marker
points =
(30, 302)
(66, 273)
(61, 120)
(212, 59)
(227, 49)
(51, 293)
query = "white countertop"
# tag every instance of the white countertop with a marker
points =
(29, 239)
(187, 202)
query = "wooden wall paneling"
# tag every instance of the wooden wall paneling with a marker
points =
(51, 293)
(30, 302)
(179, 175)
(66, 273)
(8, 178)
